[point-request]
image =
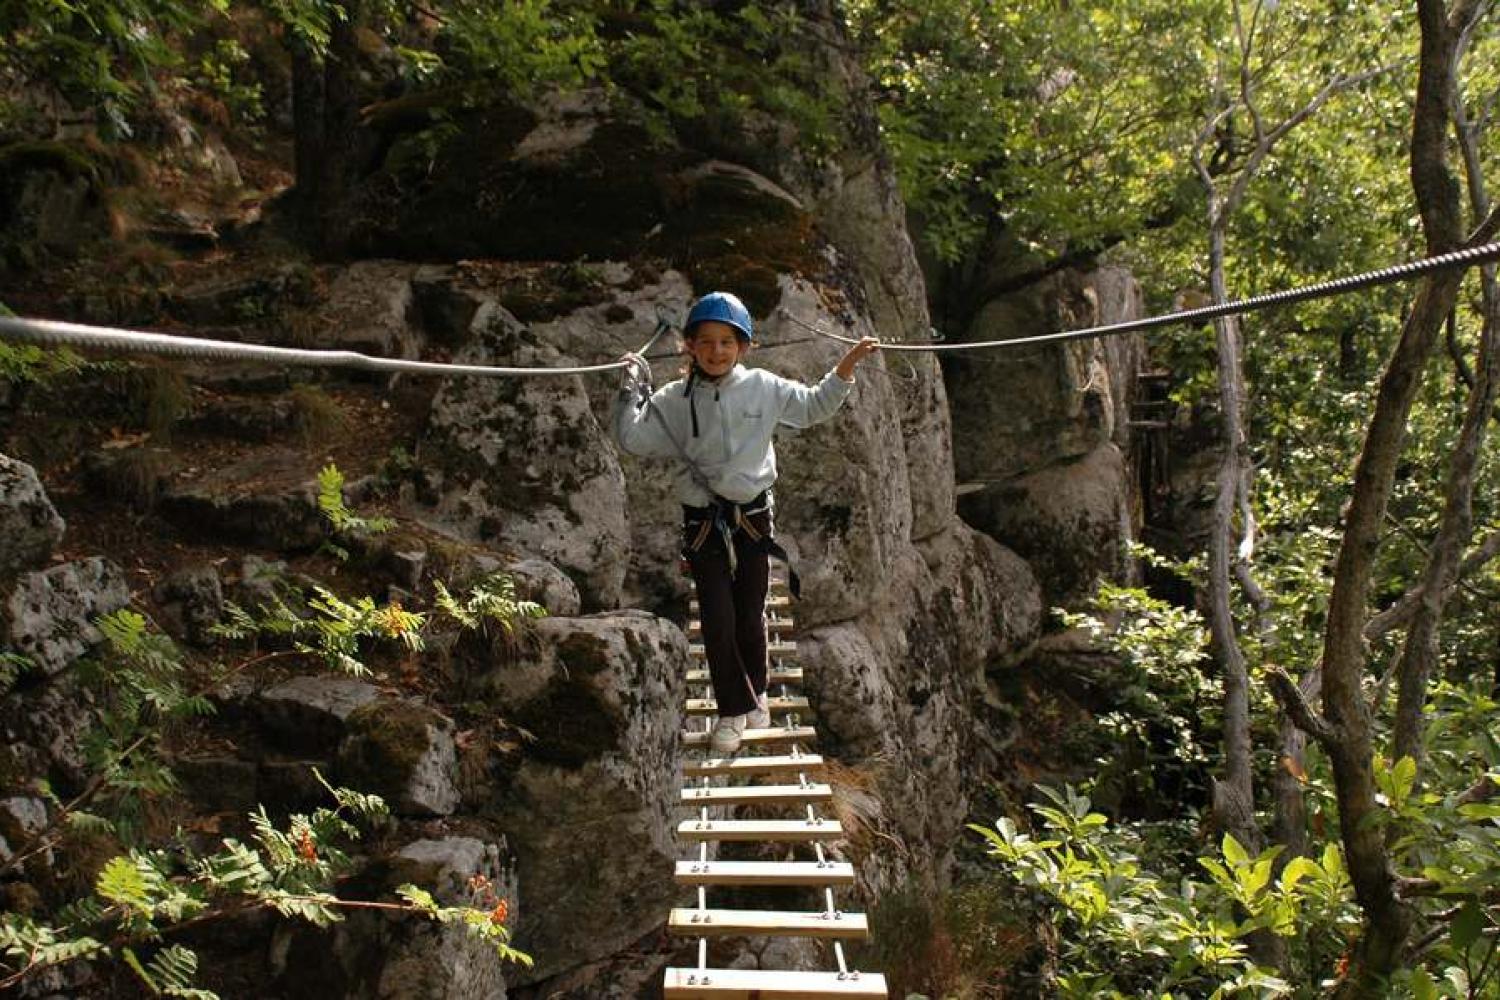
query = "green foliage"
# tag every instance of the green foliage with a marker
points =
(337, 631)
(525, 46)
(331, 503)
(329, 628)
(1060, 122)
(1136, 929)
(12, 666)
(1157, 735)
(492, 599)
(292, 870)
(96, 53)
(26, 363)
(142, 692)
(222, 72)
(344, 520)
(1129, 931)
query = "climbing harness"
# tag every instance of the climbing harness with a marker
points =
(724, 519)
(1324, 289)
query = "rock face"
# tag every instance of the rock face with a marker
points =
(192, 600)
(1071, 520)
(49, 616)
(590, 812)
(270, 497)
(375, 957)
(366, 309)
(308, 714)
(1040, 432)
(29, 525)
(403, 752)
(526, 464)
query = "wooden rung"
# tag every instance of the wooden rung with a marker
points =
(829, 873)
(709, 923)
(759, 737)
(764, 984)
(714, 766)
(776, 626)
(772, 649)
(777, 830)
(707, 706)
(773, 600)
(777, 675)
(769, 795)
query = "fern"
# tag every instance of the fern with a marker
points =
(492, 599)
(12, 667)
(344, 519)
(170, 973)
(140, 689)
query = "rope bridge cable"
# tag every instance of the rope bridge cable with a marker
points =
(51, 333)
(1325, 289)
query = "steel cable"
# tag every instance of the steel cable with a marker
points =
(1338, 286)
(52, 333)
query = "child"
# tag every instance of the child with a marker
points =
(718, 422)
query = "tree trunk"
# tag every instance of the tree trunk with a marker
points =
(307, 122)
(1350, 748)
(1234, 794)
(1419, 653)
(1291, 804)
(325, 116)
(340, 122)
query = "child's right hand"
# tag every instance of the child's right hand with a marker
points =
(637, 372)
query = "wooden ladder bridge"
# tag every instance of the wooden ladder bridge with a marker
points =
(713, 787)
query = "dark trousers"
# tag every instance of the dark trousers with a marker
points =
(733, 612)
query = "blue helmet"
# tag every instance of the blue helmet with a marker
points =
(720, 307)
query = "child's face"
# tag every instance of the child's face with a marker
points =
(716, 347)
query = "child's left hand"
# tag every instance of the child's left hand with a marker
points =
(856, 354)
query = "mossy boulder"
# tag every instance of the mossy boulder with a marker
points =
(52, 202)
(601, 696)
(404, 752)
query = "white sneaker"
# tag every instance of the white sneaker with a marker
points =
(760, 715)
(727, 733)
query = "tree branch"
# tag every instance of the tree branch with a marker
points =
(1292, 701)
(1398, 615)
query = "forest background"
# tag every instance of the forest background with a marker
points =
(1319, 669)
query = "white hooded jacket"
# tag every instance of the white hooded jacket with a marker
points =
(737, 417)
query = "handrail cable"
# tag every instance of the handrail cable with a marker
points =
(53, 333)
(1323, 289)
